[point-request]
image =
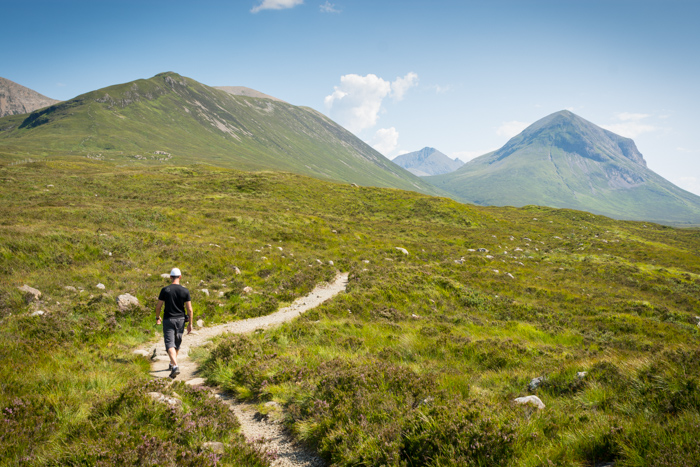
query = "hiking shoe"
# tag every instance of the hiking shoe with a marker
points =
(155, 354)
(174, 372)
(170, 367)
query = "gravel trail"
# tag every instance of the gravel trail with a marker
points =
(255, 428)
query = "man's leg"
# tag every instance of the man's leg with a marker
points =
(172, 353)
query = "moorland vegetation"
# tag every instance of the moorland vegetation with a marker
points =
(418, 363)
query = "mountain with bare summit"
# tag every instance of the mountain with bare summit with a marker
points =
(16, 99)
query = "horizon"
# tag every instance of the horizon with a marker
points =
(461, 77)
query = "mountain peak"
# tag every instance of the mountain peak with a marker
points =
(16, 99)
(574, 135)
(427, 161)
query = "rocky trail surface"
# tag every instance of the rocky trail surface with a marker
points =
(287, 453)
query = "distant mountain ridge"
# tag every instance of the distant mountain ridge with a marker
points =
(565, 161)
(16, 99)
(190, 122)
(427, 161)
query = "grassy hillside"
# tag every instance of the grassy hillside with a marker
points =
(132, 123)
(417, 364)
(564, 161)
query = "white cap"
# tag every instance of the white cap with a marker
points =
(175, 272)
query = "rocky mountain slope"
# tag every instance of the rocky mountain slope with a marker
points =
(427, 161)
(564, 161)
(16, 99)
(174, 119)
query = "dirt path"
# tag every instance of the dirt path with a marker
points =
(288, 453)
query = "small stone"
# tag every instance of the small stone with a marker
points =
(236, 270)
(402, 250)
(264, 258)
(280, 248)
(196, 382)
(221, 294)
(482, 250)
(581, 374)
(459, 261)
(247, 289)
(70, 288)
(200, 323)
(30, 293)
(530, 400)
(126, 301)
(205, 291)
(472, 250)
(488, 257)
(100, 286)
(535, 383)
(331, 263)
(165, 276)
(415, 316)
(38, 313)
(510, 275)
(366, 261)
(214, 446)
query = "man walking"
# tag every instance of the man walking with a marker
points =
(178, 311)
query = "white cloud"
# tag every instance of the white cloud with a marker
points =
(628, 116)
(328, 7)
(276, 5)
(510, 129)
(686, 150)
(385, 140)
(61, 85)
(356, 103)
(631, 125)
(441, 89)
(401, 85)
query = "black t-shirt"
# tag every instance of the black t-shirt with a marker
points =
(174, 297)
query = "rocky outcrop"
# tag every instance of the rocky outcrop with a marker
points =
(15, 99)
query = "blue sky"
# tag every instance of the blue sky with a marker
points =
(460, 76)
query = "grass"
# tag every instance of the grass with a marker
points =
(416, 364)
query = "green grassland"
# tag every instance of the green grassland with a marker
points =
(417, 363)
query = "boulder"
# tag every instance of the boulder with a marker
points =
(533, 401)
(100, 286)
(195, 382)
(214, 446)
(535, 383)
(126, 301)
(30, 293)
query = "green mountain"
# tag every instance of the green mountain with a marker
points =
(564, 161)
(427, 161)
(176, 119)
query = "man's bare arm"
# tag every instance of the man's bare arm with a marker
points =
(188, 307)
(159, 305)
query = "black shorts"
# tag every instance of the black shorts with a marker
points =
(173, 329)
